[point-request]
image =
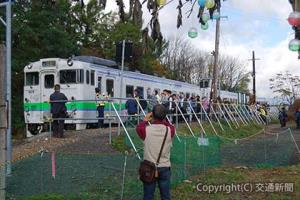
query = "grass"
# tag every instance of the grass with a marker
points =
(188, 191)
(118, 143)
(218, 176)
(233, 133)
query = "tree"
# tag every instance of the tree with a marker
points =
(93, 27)
(189, 64)
(233, 76)
(153, 6)
(40, 29)
(286, 86)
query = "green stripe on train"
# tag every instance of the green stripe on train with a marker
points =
(70, 106)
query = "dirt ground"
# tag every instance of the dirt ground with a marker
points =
(84, 142)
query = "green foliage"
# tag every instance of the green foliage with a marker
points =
(42, 30)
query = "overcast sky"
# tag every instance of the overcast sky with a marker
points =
(259, 25)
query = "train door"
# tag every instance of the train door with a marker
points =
(99, 84)
(47, 85)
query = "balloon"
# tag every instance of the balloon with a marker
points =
(204, 27)
(294, 45)
(294, 18)
(193, 33)
(216, 15)
(202, 3)
(205, 17)
(161, 2)
(210, 4)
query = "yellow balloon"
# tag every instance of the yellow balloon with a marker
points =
(210, 4)
(161, 2)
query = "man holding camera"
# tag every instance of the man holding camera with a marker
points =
(157, 139)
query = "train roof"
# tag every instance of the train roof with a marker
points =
(111, 66)
(97, 61)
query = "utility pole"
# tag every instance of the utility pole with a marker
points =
(3, 123)
(214, 84)
(254, 74)
(8, 86)
(7, 24)
(121, 83)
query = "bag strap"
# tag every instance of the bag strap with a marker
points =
(162, 146)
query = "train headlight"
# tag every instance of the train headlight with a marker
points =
(29, 66)
(70, 62)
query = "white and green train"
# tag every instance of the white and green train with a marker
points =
(80, 76)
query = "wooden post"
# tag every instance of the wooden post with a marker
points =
(3, 122)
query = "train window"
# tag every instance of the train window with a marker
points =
(49, 81)
(206, 84)
(71, 76)
(140, 91)
(129, 90)
(110, 87)
(32, 78)
(187, 95)
(80, 76)
(201, 84)
(93, 77)
(149, 93)
(99, 83)
(87, 77)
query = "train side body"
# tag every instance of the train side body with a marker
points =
(78, 81)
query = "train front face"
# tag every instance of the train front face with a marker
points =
(40, 78)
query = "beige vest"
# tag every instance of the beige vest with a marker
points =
(154, 138)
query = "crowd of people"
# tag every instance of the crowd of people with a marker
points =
(170, 101)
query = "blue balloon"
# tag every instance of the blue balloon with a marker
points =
(202, 3)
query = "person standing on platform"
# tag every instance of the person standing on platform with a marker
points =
(297, 115)
(59, 111)
(282, 117)
(100, 107)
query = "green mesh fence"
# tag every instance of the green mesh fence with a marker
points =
(187, 157)
(93, 175)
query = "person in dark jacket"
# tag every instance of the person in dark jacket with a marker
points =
(131, 105)
(297, 115)
(282, 117)
(58, 110)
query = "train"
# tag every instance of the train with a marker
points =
(79, 76)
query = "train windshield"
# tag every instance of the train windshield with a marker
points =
(71, 76)
(31, 78)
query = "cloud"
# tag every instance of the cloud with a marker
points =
(278, 8)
